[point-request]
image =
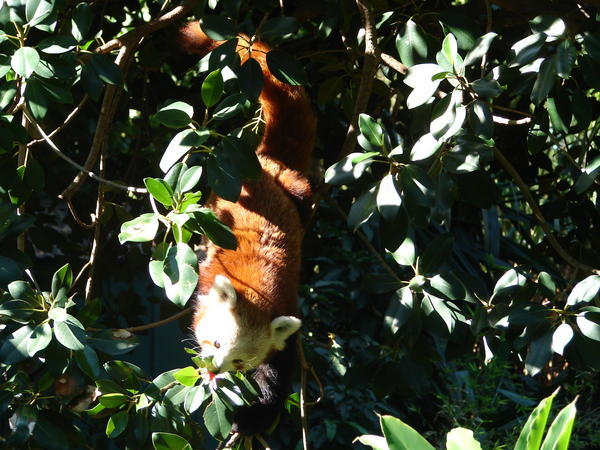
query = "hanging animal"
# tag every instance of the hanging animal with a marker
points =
(247, 305)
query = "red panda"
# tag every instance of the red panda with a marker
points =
(247, 303)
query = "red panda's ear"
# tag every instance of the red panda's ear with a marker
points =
(222, 291)
(283, 327)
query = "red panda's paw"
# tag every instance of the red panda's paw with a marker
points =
(257, 418)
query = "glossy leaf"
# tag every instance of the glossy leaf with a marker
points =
(285, 68)
(532, 432)
(212, 88)
(400, 436)
(584, 291)
(388, 199)
(140, 229)
(461, 439)
(25, 60)
(181, 144)
(175, 114)
(169, 441)
(411, 43)
(160, 190)
(559, 433)
(561, 337)
(116, 424)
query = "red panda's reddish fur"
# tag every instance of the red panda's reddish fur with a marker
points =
(265, 267)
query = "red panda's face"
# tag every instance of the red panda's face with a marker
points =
(227, 337)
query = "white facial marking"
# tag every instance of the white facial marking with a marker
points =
(226, 337)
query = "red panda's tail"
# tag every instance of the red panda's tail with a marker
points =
(290, 125)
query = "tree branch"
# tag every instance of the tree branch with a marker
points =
(504, 121)
(393, 63)
(127, 45)
(90, 174)
(366, 83)
(539, 216)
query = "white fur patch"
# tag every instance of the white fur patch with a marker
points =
(225, 337)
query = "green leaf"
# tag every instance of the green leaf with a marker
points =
(212, 88)
(540, 352)
(21, 290)
(399, 310)
(113, 399)
(113, 342)
(481, 119)
(373, 441)
(461, 439)
(238, 152)
(400, 436)
(251, 78)
(40, 338)
(231, 106)
(425, 147)
(409, 43)
(565, 58)
(553, 27)
(480, 49)
(106, 69)
(52, 436)
(140, 229)
(160, 190)
(14, 348)
(223, 177)
(525, 50)
(37, 10)
(388, 199)
(214, 229)
(218, 28)
(62, 280)
(175, 114)
(116, 424)
(286, 68)
(561, 338)
(25, 60)
(588, 327)
(181, 143)
(420, 78)
(180, 270)
(450, 48)
(438, 250)
(559, 433)
(531, 435)
(371, 130)
(81, 21)
(346, 170)
(544, 81)
(486, 88)
(584, 291)
(194, 398)
(189, 179)
(216, 420)
(511, 281)
(88, 362)
(187, 376)
(70, 334)
(55, 45)
(362, 208)
(169, 441)
(448, 116)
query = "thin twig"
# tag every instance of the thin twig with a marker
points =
(304, 365)
(539, 216)
(504, 121)
(62, 126)
(365, 240)
(97, 232)
(91, 174)
(148, 28)
(262, 440)
(159, 323)
(127, 44)
(516, 111)
(149, 326)
(78, 220)
(79, 275)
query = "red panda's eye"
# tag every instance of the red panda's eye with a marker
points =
(216, 344)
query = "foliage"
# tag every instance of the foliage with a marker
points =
(398, 435)
(453, 246)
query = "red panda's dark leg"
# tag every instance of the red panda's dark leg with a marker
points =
(274, 378)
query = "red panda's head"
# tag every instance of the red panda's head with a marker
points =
(234, 340)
